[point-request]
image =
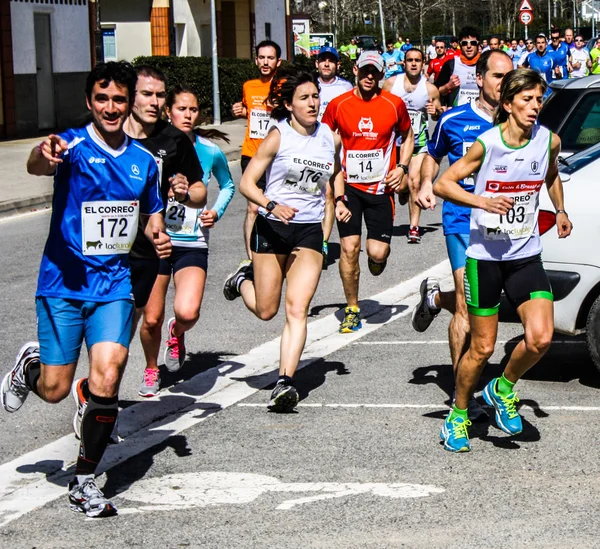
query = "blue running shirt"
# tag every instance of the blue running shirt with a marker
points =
(98, 194)
(542, 64)
(456, 131)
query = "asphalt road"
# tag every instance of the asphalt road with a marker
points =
(358, 466)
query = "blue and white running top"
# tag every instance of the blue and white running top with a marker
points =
(184, 225)
(454, 134)
(99, 193)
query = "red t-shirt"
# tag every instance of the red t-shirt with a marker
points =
(435, 65)
(368, 130)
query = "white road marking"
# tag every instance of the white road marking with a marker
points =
(541, 407)
(445, 342)
(178, 409)
(188, 490)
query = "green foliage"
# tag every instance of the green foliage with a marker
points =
(196, 72)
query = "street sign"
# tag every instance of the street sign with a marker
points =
(525, 6)
(526, 17)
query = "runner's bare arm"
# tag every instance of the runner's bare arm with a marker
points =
(434, 106)
(555, 190)
(342, 213)
(389, 83)
(192, 195)
(448, 187)
(154, 229)
(44, 158)
(430, 168)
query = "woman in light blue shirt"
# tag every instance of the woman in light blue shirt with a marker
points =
(189, 232)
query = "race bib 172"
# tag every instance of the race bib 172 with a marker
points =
(108, 227)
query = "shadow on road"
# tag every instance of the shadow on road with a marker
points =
(402, 230)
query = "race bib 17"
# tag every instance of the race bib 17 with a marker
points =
(108, 227)
(259, 123)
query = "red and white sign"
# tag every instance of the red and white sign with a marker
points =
(525, 6)
(526, 17)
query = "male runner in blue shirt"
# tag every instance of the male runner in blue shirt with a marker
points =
(541, 60)
(103, 183)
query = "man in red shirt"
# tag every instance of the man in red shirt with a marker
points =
(368, 120)
(435, 64)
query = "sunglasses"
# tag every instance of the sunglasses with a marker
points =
(578, 39)
(529, 43)
(466, 43)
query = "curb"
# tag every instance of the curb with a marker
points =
(13, 208)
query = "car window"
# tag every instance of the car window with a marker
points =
(582, 128)
(580, 160)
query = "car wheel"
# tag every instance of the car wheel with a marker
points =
(593, 332)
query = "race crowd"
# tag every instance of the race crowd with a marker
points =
(130, 213)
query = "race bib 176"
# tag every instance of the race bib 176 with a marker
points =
(306, 175)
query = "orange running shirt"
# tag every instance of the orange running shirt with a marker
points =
(368, 130)
(254, 94)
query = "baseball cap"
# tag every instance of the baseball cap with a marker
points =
(329, 49)
(370, 58)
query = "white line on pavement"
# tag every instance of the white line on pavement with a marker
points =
(423, 406)
(445, 342)
(180, 408)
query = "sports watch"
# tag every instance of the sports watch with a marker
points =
(270, 206)
(404, 167)
(342, 198)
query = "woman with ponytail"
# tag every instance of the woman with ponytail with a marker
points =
(512, 162)
(301, 157)
(189, 232)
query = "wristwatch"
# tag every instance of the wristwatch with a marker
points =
(562, 212)
(270, 206)
(404, 167)
(342, 198)
(186, 199)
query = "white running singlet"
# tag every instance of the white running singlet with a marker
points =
(331, 91)
(518, 173)
(468, 90)
(416, 102)
(300, 171)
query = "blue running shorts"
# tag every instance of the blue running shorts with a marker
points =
(63, 324)
(457, 245)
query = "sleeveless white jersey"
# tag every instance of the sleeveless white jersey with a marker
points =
(416, 102)
(468, 90)
(300, 172)
(331, 91)
(517, 173)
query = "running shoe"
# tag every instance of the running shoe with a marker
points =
(150, 386)
(413, 236)
(423, 315)
(80, 404)
(86, 497)
(175, 351)
(232, 282)
(403, 197)
(455, 434)
(14, 389)
(351, 321)
(476, 413)
(376, 268)
(325, 252)
(283, 398)
(507, 417)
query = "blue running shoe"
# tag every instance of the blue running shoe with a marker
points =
(455, 435)
(507, 417)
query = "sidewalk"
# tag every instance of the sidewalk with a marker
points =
(23, 193)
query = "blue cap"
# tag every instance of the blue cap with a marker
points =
(329, 49)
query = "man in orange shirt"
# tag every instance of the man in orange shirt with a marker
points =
(255, 109)
(368, 120)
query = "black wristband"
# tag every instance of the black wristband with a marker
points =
(342, 198)
(186, 199)
(562, 212)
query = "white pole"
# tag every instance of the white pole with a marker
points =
(215, 65)
(382, 25)
(525, 32)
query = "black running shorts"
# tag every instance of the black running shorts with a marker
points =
(378, 211)
(182, 257)
(521, 280)
(274, 237)
(262, 182)
(143, 274)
